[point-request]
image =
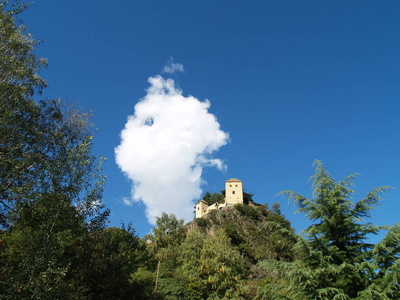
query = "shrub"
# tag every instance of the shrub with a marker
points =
(248, 211)
(201, 222)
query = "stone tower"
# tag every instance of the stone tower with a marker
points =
(233, 191)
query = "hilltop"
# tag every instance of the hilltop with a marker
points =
(257, 232)
(253, 229)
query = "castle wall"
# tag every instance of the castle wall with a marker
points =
(216, 206)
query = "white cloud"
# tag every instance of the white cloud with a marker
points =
(127, 201)
(164, 147)
(172, 67)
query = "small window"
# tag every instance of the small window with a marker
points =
(236, 185)
(233, 192)
(230, 185)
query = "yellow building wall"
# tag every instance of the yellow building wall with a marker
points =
(233, 191)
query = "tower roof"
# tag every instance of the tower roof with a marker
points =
(202, 201)
(233, 180)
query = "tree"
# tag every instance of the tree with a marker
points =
(164, 245)
(214, 198)
(334, 259)
(247, 197)
(211, 268)
(44, 146)
(50, 183)
(51, 190)
(221, 266)
(111, 255)
(276, 208)
(18, 81)
(207, 197)
(195, 287)
(169, 231)
(18, 64)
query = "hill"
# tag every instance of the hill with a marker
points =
(255, 231)
(216, 256)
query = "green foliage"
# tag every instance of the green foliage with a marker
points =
(50, 196)
(209, 263)
(221, 265)
(334, 261)
(207, 197)
(213, 198)
(276, 208)
(49, 157)
(44, 147)
(231, 231)
(247, 211)
(254, 231)
(164, 245)
(111, 256)
(212, 216)
(50, 192)
(263, 210)
(281, 239)
(18, 63)
(171, 288)
(144, 281)
(50, 186)
(168, 232)
(247, 198)
(29, 271)
(201, 222)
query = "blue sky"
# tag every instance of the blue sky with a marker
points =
(290, 81)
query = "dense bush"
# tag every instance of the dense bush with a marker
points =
(248, 211)
(201, 222)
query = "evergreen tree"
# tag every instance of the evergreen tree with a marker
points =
(213, 198)
(334, 259)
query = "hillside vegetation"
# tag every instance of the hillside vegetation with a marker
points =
(255, 231)
(216, 256)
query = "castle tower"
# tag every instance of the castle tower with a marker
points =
(201, 208)
(233, 191)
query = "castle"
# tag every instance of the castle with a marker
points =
(233, 195)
